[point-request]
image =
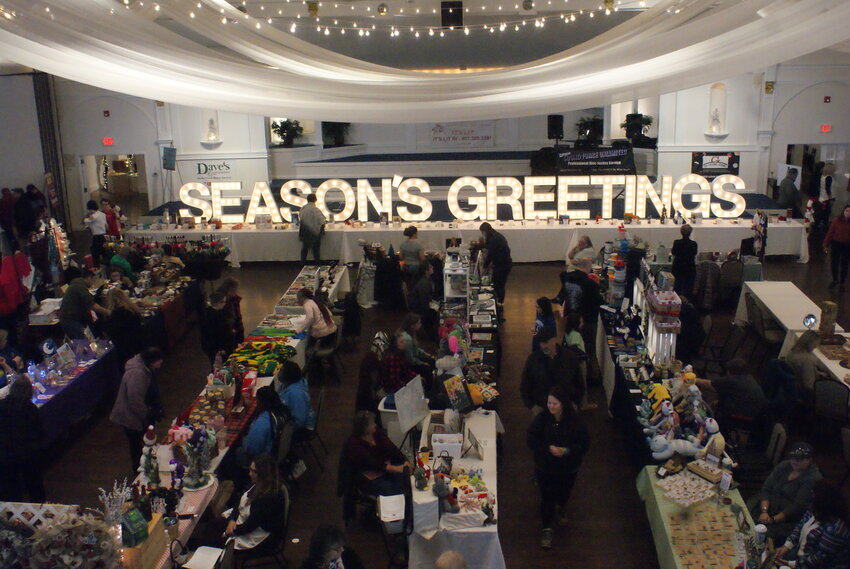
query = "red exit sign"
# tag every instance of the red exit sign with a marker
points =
(108, 141)
(826, 128)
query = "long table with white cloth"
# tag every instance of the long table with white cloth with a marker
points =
(480, 545)
(785, 302)
(530, 241)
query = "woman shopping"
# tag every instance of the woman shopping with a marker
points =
(684, 261)
(319, 322)
(559, 440)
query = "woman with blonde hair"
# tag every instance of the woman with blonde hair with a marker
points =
(803, 361)
(124, 325)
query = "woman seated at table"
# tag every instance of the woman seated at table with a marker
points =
(803, 361)
(10, 359)
(786, 493)
(373, 455)
(262, 435)
(419, 360)
(328, 551)
(117, 278)
(261, 510)
(319, 322)
(395, 370)
(821, 539)
(169, 258)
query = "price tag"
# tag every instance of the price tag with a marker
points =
(712, 460)
(725, 480)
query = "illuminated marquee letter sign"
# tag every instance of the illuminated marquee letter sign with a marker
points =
(558, 196)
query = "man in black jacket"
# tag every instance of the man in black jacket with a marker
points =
(552, 365)
(498, 258)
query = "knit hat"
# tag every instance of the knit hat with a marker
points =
(801, 451)
(546, 333)
(150, 436)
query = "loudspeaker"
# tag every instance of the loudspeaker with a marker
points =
(555, 127)
(451, 14)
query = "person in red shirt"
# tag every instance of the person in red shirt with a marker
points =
(395, 370)
(837, 242)
(373, 455)
(113, 229)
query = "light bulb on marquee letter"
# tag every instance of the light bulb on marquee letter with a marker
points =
(478, 201)
(512, 199)
(218, 202)
(608, 183)
(287, 196)
(532, 197)
(704, 200)
(347, 194)
(646, 189)
(565, 196)
(262, 193)
(717, 188)
(418, 201)
(187, 198)
(366, 195)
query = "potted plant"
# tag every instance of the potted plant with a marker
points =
(636, 124)
(288, 130)
(333, 133)
(590, 129)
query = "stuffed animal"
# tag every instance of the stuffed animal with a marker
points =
(657, 393)
(715, 442)
(663, 448)
(444, 493)
(665, 422)
(682, 387)
(421, 481)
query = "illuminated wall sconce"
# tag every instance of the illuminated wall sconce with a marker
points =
(211, 135)
(717, 112)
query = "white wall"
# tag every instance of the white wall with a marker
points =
(683, 119)
(21, 161)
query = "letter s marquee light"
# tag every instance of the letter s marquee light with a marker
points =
(484, 196)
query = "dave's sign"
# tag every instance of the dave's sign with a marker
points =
(564, 196)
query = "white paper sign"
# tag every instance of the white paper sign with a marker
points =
(411, 404)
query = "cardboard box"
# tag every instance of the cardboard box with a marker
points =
(452, 443)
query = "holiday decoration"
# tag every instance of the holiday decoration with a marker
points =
(198, 451)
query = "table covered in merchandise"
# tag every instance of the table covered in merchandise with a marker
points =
(709, 526)
(784, 301)
(784, 237)
(480, 545)
(171, 320)
(74, 401)
(530, 241)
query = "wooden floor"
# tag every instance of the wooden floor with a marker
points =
(608, 527)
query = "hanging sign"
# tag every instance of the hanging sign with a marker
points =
(478, 134)
(597, 161)
(709, 165)
(535, 197)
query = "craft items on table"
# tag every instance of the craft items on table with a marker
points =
(687, 489)
(199, 451)
(262, 356)
(149, 464)
(62, 365)
(707, 537)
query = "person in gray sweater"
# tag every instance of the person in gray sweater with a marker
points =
(137, 399)
(786, 493)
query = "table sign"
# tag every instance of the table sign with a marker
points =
(64, 355)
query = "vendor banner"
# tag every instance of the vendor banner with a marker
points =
(473, 134)
(243, 169)
(597, 160)
(709, 165)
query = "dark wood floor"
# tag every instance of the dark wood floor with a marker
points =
(608, 527)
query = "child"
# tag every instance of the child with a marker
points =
(216, 333)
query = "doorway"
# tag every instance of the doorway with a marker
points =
(120, 178)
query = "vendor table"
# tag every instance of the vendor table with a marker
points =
(784, 301)
(530, 241)
(480, 545)
(74, 401)
(784, 237)
(659, 510)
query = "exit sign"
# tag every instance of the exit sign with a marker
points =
(108, 141)
(826, 128)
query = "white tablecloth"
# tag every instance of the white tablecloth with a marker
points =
(530, 241)
(480, 545)
(785, 302)
(784, 237)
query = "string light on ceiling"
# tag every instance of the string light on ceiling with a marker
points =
(195, 9)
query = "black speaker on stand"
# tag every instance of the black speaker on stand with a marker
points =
(555, 127)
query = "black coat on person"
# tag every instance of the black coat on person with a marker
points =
(570, 433)
(216, 333)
